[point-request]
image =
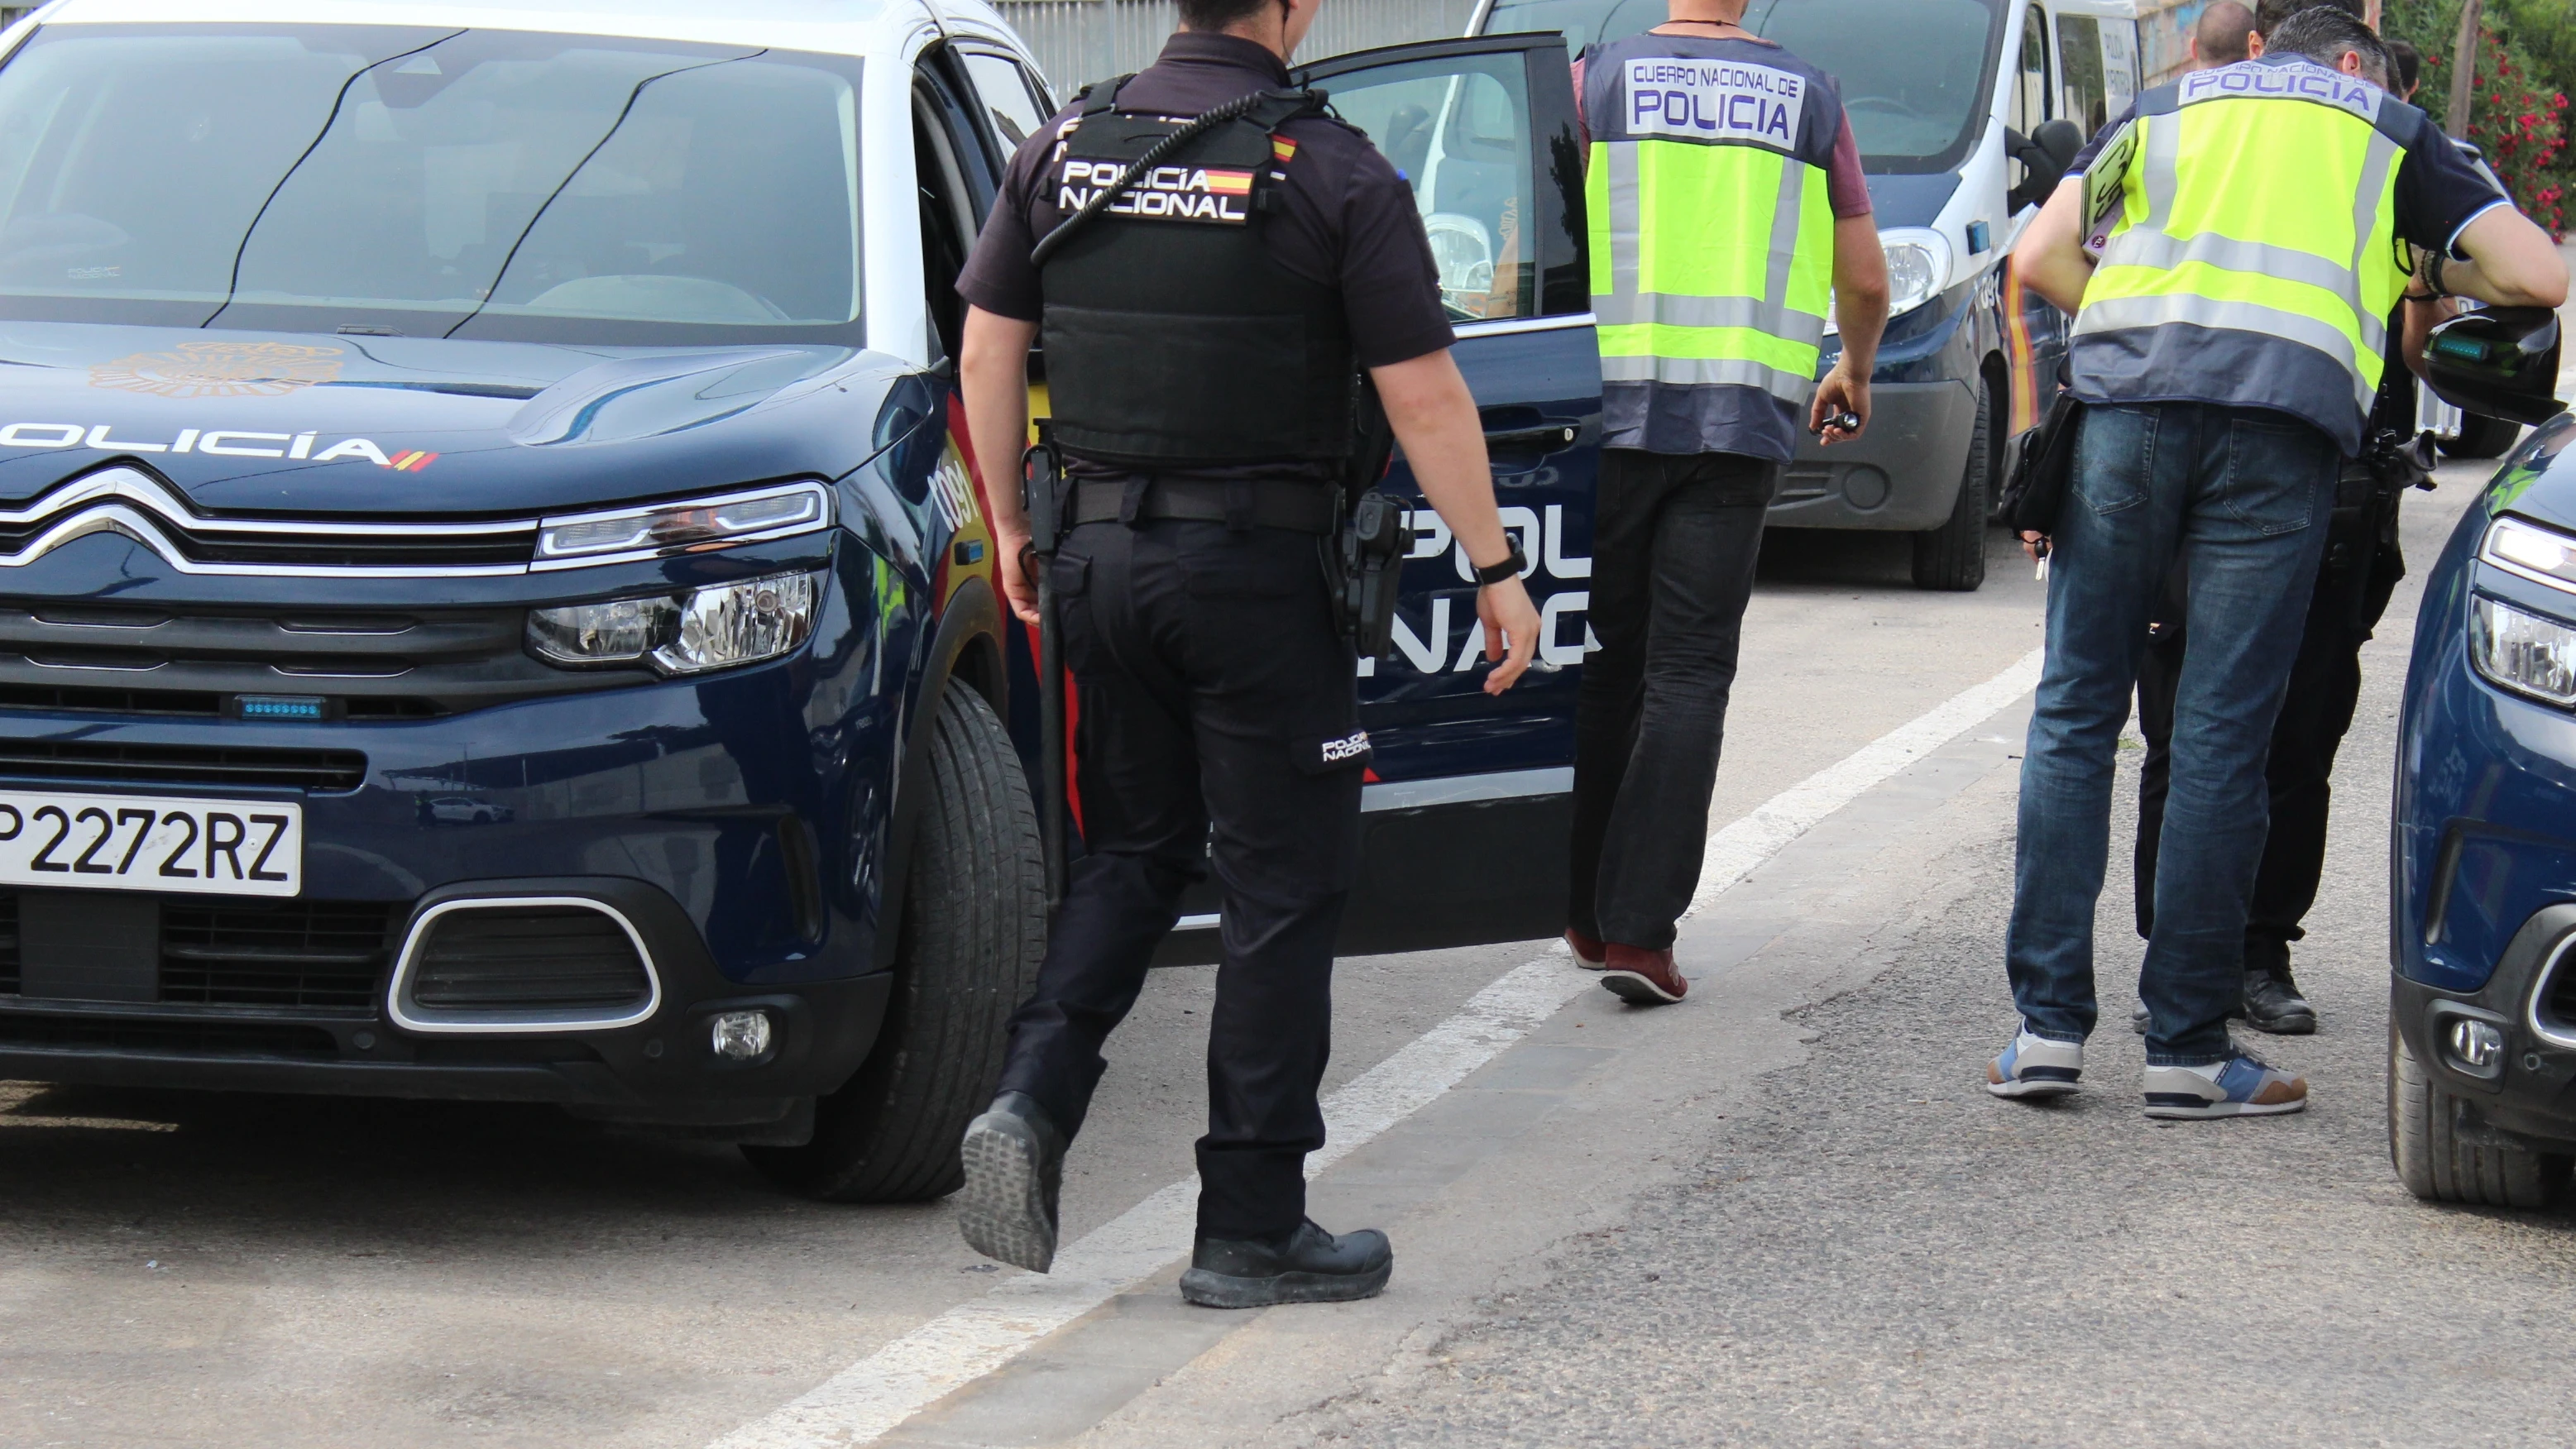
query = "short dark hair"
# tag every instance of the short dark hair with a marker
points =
(1218, 14)
(2219, 38)
(2323, 34)
(2270, 15)
(2406, 66)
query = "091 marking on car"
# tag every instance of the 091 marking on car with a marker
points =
(151, 843)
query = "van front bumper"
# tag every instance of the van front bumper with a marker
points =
(1902, 473)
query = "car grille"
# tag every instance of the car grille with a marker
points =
(192, 661)
(302, 955)
(182, 766)
(128, 501)
(327, 955)
(519, 958)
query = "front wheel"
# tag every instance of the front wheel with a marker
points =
(974, 926)
(1952, 557)
(2483, 437)
(2436, 1165)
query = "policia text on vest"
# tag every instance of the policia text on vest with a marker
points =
(2261, 230)
(1203, 349)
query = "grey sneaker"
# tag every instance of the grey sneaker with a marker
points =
(2036, 1066)
(2241, 1086)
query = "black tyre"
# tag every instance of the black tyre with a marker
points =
(2436, 1165)
(974, 926)
(2483, 437)
(1953, 557)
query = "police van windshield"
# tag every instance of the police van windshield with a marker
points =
(1916, 75)
(427, 182)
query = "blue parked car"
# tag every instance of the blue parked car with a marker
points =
(495, 601)
(2482, 1006)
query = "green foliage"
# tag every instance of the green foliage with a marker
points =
(2518, 112)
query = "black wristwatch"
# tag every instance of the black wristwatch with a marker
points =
(1502, 568)
(2433, 273)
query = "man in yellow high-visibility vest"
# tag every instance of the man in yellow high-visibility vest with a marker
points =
(2254, 238)
(1727, 209)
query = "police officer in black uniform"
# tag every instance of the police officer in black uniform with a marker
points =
(1204, 332)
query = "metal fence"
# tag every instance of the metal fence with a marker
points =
(1081, 41)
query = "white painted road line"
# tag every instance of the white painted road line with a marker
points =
(1736, 850)
(870, 1397)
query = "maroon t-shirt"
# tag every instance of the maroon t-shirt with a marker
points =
(1346, 219)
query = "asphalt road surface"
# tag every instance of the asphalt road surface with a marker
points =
(1781, 1213)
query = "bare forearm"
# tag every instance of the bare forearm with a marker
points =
(1434, 417)
(1860, 291)
(2050, 257)
(993, 371)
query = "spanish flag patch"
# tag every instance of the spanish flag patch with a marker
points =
(1283, 148)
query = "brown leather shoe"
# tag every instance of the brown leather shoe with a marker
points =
(1642, 977)
(1587, 951)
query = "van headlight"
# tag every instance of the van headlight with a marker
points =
(2526, 653)
(1918, 268)
(690, 525)
(717, 627)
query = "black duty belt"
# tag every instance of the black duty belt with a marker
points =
(1302, 507)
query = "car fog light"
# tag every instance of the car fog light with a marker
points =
(739, 1036)
(742, 623)
(597, 633)
(2476, 1044)
(2523, 652)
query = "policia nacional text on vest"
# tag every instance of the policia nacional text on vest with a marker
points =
(1185, 345)
(2251, 255)
(1712, 240)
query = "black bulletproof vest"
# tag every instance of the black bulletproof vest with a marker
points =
(1172, 339)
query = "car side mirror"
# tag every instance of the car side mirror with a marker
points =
(2497, 362)
(2061, 139)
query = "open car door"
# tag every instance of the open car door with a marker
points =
(1467, 808)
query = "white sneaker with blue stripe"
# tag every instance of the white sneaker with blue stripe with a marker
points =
(2036, 1066)
(2241, 1086)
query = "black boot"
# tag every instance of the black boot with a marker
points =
(1014, 1166)
(2273, 1003)
(1312, 1266)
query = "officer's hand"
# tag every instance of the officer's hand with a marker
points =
(1018, 567)
(1507, 613)
(1840, 392)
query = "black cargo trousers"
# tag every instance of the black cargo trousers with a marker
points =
(2361, 571)
(1211, 686)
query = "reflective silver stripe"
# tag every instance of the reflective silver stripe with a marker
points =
(1786, 212)
(2123, 313)
(2365, 204)
(1679, 311)
(2164, 150)
(1626, 213)
(1505, 326)
(2141, 247)
(1789, 387)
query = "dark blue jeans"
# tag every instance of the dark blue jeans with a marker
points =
(2242, 495)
